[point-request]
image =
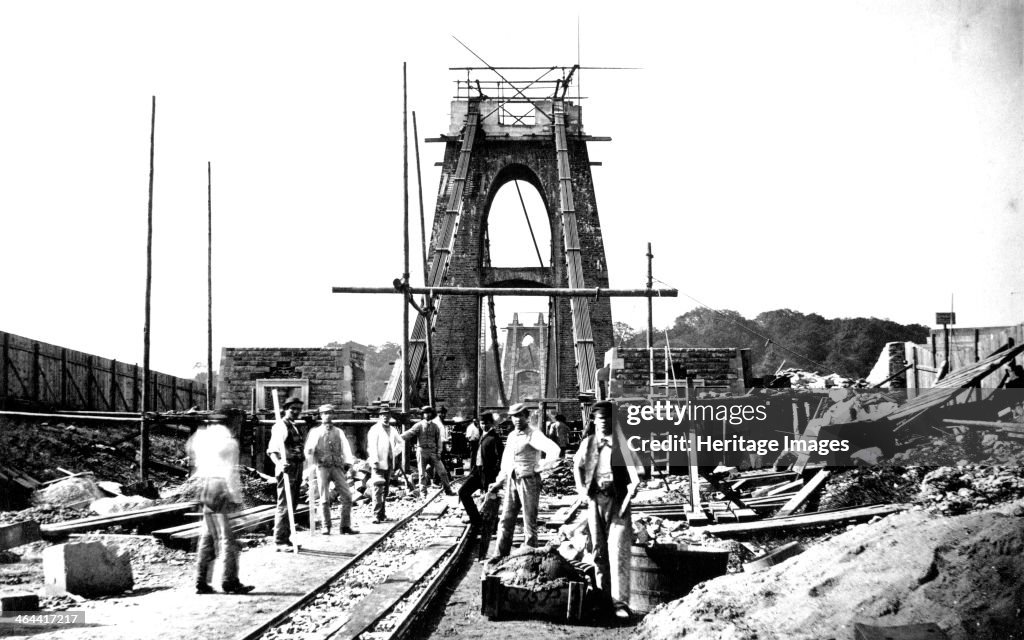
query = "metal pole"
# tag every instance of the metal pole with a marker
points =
(144, 428)
(405, 273)
(423, 245)
(517, 291)
(209, 287)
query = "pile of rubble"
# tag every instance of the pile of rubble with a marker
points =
(957, 490)
(533, 568)
(800, 379)
(861, 486)
(558, 481)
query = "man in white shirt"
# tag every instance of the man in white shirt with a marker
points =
(214, 452)
(605, 473)
(285, 450)
(520, 472)
(383, 445)
(329, 448)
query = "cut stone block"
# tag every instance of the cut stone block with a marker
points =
(18, 602)
(15, 535)
(88, 569)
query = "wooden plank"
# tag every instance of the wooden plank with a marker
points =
(15, 535)
(434, 510)
(801, 497)
(564, 515)
(388, 593)
(789, 486)
(167, 532)
(805, 520)
(128, 517)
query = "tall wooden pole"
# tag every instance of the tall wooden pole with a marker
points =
(423, 247)
(650, 321)
(146, 401)
(405, 274)
(209, 288)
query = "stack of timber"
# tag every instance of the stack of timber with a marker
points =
(16, 487)
(241, 522)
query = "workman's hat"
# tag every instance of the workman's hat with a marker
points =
(516, 409)
(429, 409)
(384, 410)
(487, 418)
(292, 400)
(326, 408)
(603, 407)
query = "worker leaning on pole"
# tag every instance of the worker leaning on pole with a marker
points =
(285, 450)
(383, 445)
(214, 453)
(520, 471)
(329, 449)
(604, 469)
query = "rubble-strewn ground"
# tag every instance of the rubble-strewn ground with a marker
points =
(965, 573)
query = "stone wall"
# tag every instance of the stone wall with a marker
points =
(333, 375)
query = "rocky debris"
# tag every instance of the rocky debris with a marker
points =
(965, 573)
(77, 491)
(119, 504)
(800, 379)
(558, 481)
(861, 486)
(87, 569)
(533, 568)
(957, 490)
(44, 514)
(963, 445)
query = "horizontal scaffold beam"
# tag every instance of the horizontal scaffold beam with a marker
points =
(517, 291)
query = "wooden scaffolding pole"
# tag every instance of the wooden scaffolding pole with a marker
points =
(144, 427)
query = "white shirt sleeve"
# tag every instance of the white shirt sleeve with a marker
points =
(549, 448)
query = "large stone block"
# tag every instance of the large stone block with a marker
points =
(87, 569)
(21, 601)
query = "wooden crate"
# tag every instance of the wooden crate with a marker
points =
(564, 603)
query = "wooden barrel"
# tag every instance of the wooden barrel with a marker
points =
(663, 573)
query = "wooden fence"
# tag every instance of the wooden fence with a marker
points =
(38, 374)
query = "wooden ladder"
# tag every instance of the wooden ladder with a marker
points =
(441, 255)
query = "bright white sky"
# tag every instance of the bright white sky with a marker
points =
(843, 158)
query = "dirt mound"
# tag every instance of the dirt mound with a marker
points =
(78, 491)
(965, 573)
(559, 481)
(44, 514)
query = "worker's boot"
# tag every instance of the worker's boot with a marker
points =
(234, 586)
(203, 587)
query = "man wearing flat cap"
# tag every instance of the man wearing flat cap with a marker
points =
(329, 449)
(605, 471)
(285, 450)
(429, 436)
(520, 472)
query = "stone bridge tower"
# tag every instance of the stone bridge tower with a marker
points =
(491, 141)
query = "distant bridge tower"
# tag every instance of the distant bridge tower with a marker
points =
(524, 360)
(535, 134)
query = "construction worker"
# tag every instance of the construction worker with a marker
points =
(329, 449)
(558, 431)
(520, 472)
(601, 469)
(285, 450)
(383, 445)
(429, 436)
(214, 452)
(473, 441)
(484, 470)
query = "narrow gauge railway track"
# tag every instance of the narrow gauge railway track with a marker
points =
(380, 591)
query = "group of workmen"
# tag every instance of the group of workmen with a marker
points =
(601, 469)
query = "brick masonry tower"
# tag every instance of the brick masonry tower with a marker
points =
(491, 142)
(524, 359)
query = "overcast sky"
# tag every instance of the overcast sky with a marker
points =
(843, 158)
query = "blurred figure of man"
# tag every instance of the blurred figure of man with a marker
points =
(285, 450)
(214, 452)
(558, 432)
(329, 448)
(520, 472)
(383, 445)
(428, 434)
(473, 441)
